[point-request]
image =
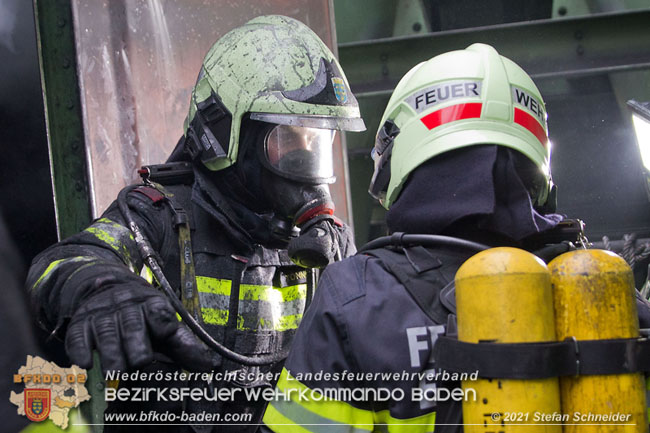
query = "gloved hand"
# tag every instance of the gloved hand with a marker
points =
(322, 240)
(126, 324)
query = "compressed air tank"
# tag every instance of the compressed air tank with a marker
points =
(503, 295)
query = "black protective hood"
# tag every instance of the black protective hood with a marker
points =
(473, 189)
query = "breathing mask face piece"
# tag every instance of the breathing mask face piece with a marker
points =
(299, 167)
(304, 206)
(296, 201)
(300, 153)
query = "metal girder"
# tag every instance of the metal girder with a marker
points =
(600, 43)
(57, 58)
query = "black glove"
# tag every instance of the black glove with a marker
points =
(322, 240)
(126, 324)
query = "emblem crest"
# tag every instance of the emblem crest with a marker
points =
(340, 90)
(37, 404)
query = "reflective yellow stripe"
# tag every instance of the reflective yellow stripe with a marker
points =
(112, 233)
(147, 274)
(109, 222)
(333, 410)
(420, 424)
(299, 414)
(55, 264)
(288, 322)
(214, 316)
(274, 294)
(278, 422)
(213, 285)
(47, 271)
(252, 292)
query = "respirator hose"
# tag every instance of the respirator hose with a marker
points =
(149, 257)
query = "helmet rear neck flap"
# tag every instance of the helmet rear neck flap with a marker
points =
(459, 99)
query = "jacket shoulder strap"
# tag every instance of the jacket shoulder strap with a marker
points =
(418, 271)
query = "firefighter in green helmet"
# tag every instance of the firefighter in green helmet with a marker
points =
(237, 218)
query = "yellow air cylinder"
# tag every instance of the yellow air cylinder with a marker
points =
(594, 299)
(504, 295)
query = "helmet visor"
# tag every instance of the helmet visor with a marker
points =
(300, 153)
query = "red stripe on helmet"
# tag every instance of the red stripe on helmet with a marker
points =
(530, 123)
(470, 110)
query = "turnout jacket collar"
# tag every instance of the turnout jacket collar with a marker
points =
(242, 226)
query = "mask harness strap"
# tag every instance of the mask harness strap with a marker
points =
(189, 291)
(233, 307)
(189, 294)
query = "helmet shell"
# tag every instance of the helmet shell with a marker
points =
(458, 99)
(261, 67)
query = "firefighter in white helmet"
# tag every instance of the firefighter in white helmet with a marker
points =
(462, 150)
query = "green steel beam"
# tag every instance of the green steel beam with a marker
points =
(600, 43)
(57, 56)
(72, 203)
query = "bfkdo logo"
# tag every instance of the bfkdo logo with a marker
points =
(50, 391)
(37, 403)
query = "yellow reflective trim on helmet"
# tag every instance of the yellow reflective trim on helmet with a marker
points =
(55, 264)
(252, 292)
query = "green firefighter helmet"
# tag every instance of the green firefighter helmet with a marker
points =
(273, 69)
(454, 100)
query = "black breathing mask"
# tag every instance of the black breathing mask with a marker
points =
(299, 168)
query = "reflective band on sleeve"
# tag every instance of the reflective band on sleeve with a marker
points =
(115, 236)
(421, 424)
(147, 274)
(301, 409)
(531, 124)
(470, 110)
(55, 264)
